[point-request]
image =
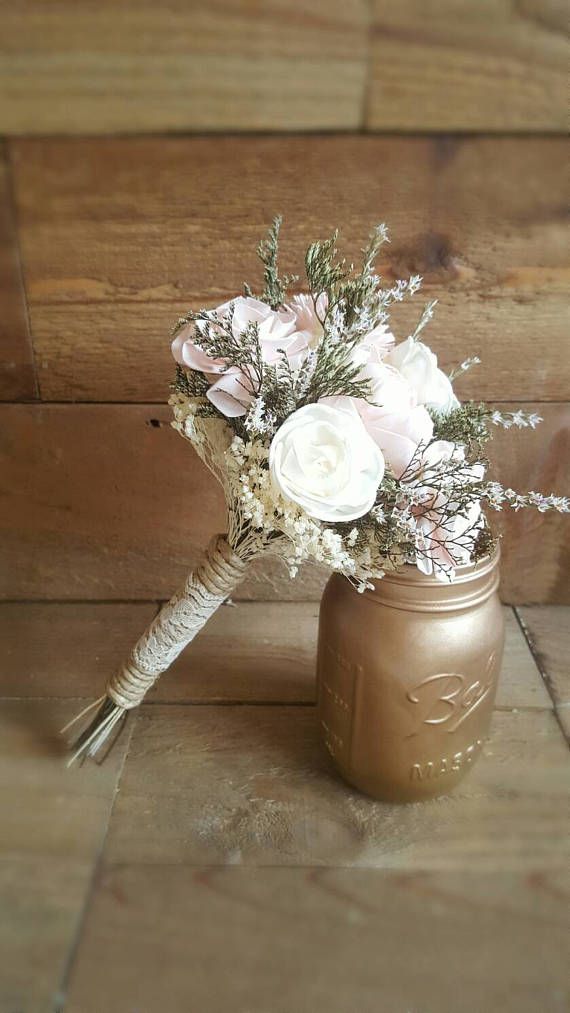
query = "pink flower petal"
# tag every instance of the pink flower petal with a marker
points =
(231, 394)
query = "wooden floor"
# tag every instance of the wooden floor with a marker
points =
(215, 864)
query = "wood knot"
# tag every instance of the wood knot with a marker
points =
(432, 256)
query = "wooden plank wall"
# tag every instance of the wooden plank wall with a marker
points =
(138, 65)
(104, 240)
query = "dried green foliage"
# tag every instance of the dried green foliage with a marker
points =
(468, 424)
(275, 287)
(485, 543)
(356, 301)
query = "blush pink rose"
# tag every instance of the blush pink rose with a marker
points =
(442, 547)
(445, 535)
(232, 391)
(391, 417)
(308, 317)
(374, 346)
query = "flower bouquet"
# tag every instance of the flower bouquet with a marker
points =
(332, 441)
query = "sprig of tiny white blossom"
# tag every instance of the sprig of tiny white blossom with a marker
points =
(497, 497)
(473, 360)
(425, 318)
(518, 419)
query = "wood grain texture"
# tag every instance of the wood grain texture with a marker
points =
(107, 501)
(284, 940)
(121, 66)
(66, 650)
(254, 785)
(535, 546)
(41, 903)
(52, 829)
(120, 236)
(266, 652)
(102, 503)
(251, 651)
(482, 873)
(548, 631)
(17, 376)
(456, 65)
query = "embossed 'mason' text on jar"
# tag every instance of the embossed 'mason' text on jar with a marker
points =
(406, 677)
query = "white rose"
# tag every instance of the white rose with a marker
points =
(324, 460)
(418, 364)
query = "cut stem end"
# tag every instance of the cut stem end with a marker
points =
(103, 730)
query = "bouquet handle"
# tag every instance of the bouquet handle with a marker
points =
(175, 626)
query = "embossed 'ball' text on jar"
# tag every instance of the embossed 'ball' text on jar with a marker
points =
(406, 677)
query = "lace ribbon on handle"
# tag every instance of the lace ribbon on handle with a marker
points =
(170, 632)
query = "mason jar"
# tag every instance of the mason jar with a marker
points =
(406, 677)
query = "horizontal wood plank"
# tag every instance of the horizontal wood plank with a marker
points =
(457, 65)
(284, 940)
(106, 501)
(266, 652)
(133, 67)
(254, 785)
(248, 651)
(548, 631)
(66, 650)
(535, 547)
(120, 236)
(251, 651)
(52, 830)
(17, 377)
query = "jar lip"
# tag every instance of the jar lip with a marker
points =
(410, 576)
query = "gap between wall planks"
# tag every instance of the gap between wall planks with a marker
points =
(101, 503)
(118, 237)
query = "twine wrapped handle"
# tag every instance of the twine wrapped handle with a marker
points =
(175, 626)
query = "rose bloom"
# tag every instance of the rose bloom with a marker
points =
(373, 347)
(445, 535)
(308, 316)
(441, 547)
(418, 364)
(293, 329)
(390, 415)
(324, 460)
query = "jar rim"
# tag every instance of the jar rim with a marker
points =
(414, 591)
(409, 574)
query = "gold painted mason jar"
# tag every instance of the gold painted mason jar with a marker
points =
(406, 678)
